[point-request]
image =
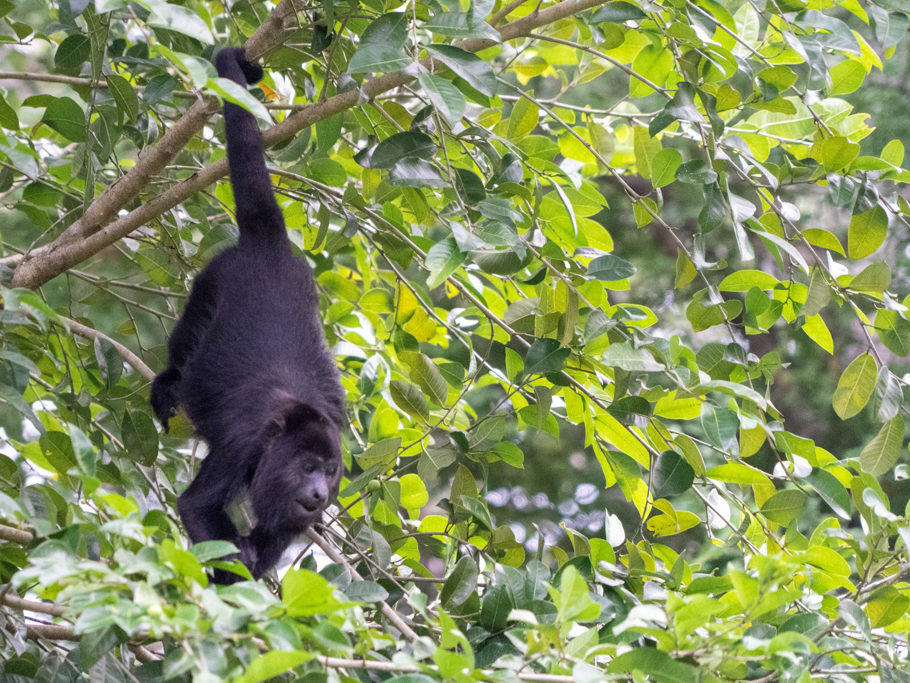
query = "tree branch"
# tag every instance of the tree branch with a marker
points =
(129, 356)
(14, 535)
(386, 609)
(40, 265)
(50, 260)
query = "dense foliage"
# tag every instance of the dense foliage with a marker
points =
(619, 291)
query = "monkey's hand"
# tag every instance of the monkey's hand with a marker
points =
(232, 63)
(164, 395)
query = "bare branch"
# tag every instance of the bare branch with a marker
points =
(14, 601)
(14, 535)
(48, 261)
(129, 356)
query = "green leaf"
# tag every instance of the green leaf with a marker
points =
(610, 268)
(366, 591)
(67, 118)
(140, 437)
(9, 119)
(273, 663)
(744, 280)
(846, 77)
(671, 476)
(306, 593)
(460, 584)
(410, 144)
(893, 330)
(866, 232)
(545, 355)
(477, 72)
(617, 12)
(180, 19)
(886, 605)
(415, 173)
(737, 473)
(654, 663)
(664, 165)
(855, 386)
(427, 376)
(236, 93)
(413, 492)
(721, 426)
(874, 278)
(382, 45)
(460, 25)
(72, 53)
(212, 550)
(625, 356)
(523, 119)
(409, 398)
(834, 153)
(880, 455)
(446, 98)
(123, 95)
(784, 506)
(443, 259)
(831, 491)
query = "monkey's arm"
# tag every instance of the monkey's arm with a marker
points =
(187, 333)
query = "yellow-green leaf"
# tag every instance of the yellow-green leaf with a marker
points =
(744, 280)
(866, 232)
(817, 331)
(846, 77)
(855, 386)
(881, 454)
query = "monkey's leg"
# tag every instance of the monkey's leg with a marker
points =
(202, 505)
(202, 509)
(183, 342)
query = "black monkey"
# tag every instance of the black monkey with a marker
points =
(249, 365)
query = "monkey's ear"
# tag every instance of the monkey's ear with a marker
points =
(291, 415)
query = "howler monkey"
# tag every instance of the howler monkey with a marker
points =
(249, 364)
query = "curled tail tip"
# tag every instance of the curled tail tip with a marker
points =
(229, 56)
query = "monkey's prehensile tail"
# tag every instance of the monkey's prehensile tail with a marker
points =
(258, 214)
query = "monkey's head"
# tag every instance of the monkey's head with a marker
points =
(300, 468)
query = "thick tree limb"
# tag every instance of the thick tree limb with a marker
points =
(14, 601)
(48, 261)
(14, 535)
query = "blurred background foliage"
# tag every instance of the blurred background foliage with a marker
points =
(619, 295)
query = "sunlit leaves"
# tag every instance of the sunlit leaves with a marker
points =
(855, 386)
(866, 232)
(784, 506)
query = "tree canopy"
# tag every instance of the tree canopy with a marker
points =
(619, 293)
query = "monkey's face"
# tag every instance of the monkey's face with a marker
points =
(298, 475)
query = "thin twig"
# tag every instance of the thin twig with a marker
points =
(386, 609)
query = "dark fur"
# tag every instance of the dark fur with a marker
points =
(249, 365)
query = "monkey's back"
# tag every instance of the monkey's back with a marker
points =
(265, 337)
